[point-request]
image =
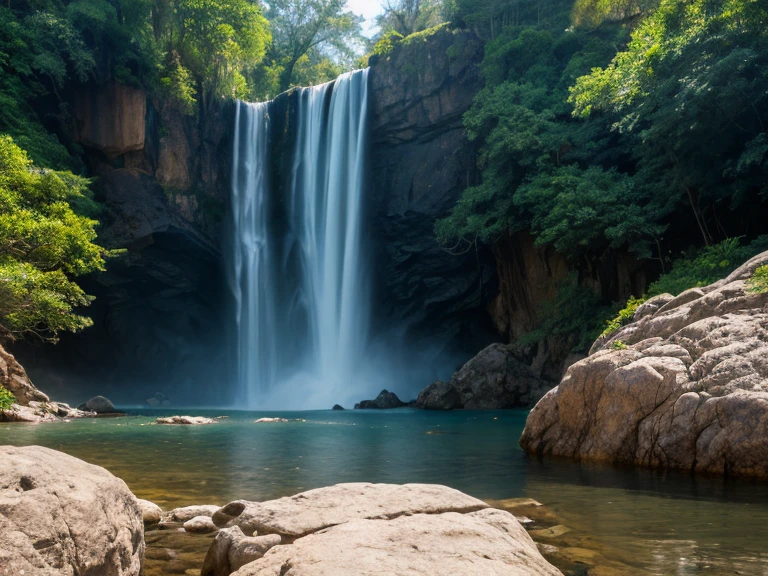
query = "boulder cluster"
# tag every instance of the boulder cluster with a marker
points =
(61, 516)
(684, 386)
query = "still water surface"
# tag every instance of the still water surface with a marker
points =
(635, 521)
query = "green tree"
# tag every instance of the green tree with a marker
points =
(46, 239)
(213, 42)
(408, 16)
(691, 90)
(308, 33)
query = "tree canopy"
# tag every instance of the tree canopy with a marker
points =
(46, 239)
(311, 36)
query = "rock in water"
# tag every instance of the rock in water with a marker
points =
(200, 525)
(187, 420)
(62, 516)
(337, 407)
(98, 404)
(231, 549)
(384, 401)
(494, 379)
(189, 512)
(439, 396)
(683, 386)
(150, 512)
(371, 529)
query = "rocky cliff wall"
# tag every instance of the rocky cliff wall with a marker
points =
(421, 162)
(160, 321)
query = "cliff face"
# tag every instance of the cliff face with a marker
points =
(421, 162)
(159, 320)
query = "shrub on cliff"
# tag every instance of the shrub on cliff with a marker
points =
(6, 399)
(46, 238)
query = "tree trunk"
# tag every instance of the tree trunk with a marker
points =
(286, 76)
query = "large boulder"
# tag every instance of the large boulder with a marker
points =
(14, 378)
(684, 386)
(62, 516)
(296, 516)
(490, 542)
(367, 529)
(494, 379)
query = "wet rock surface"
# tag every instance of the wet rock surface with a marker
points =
(683, 386)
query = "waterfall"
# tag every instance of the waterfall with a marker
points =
(299, 261)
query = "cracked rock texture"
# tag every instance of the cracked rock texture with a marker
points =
(60, 516)
(689, 391)
(370, 529)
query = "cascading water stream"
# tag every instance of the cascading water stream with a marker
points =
(299, 265)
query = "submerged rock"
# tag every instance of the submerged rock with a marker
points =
(187, 420)
(367, 529)
(683, 386)
(494, 379)
(270, 420)
(61, 516)
(384, 401)
(99, 405)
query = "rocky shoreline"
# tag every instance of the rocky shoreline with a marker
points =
(61, 515)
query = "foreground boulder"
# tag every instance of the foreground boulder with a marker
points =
(683, 386)
(62, 516)
(494, 379)
(488, 542)
(297, 516)
(384, 401)
(366, 529)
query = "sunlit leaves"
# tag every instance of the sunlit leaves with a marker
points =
(44, 242)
